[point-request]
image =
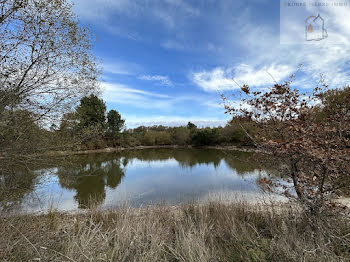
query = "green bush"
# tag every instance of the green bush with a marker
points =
(129, 139)
(180, 136)
(149, 138)
(205, 137)
(162, 138)
(232, 134)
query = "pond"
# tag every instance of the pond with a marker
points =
(139, 178)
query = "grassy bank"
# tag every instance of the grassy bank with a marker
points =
(210, 232)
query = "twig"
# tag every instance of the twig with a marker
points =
(59, 253)
(272, 77)
(26, 239)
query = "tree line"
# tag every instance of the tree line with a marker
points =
(95, 128)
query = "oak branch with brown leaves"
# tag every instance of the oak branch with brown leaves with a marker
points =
(307, 137)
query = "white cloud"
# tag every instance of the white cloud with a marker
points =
(221, 79)
(200, 121)
(215, 80)
(164, 80)
(245, 74)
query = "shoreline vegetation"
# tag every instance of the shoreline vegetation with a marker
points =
(190, 232)
(118, 149)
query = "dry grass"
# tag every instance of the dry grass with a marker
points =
(210, 232)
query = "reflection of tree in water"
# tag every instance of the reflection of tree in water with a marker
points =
(149, 154)
(18, 181)
(14, 185)
(186, 157)
(192, 157)
(244, 163)
(240, 162)
(89, 175)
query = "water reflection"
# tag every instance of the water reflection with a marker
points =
(139, 176)
(89, 178)
(15, 185)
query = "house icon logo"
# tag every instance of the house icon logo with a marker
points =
(314, 28)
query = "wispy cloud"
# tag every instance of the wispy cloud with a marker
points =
(122, 94)
(116, 95)
(119, 30)
(176, 45)
(190, 46)
(163, 80)
(117, 88)
(121, 68)
(168, 12)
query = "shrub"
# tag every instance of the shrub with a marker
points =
(204, 137)
(162, 138)
(149, 138)
(180, 136)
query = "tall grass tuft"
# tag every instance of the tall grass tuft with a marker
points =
(192, 232)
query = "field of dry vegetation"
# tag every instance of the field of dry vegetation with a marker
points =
(192, 232)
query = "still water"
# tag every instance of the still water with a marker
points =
(138, 178)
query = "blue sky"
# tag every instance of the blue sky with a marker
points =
(168, 61)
